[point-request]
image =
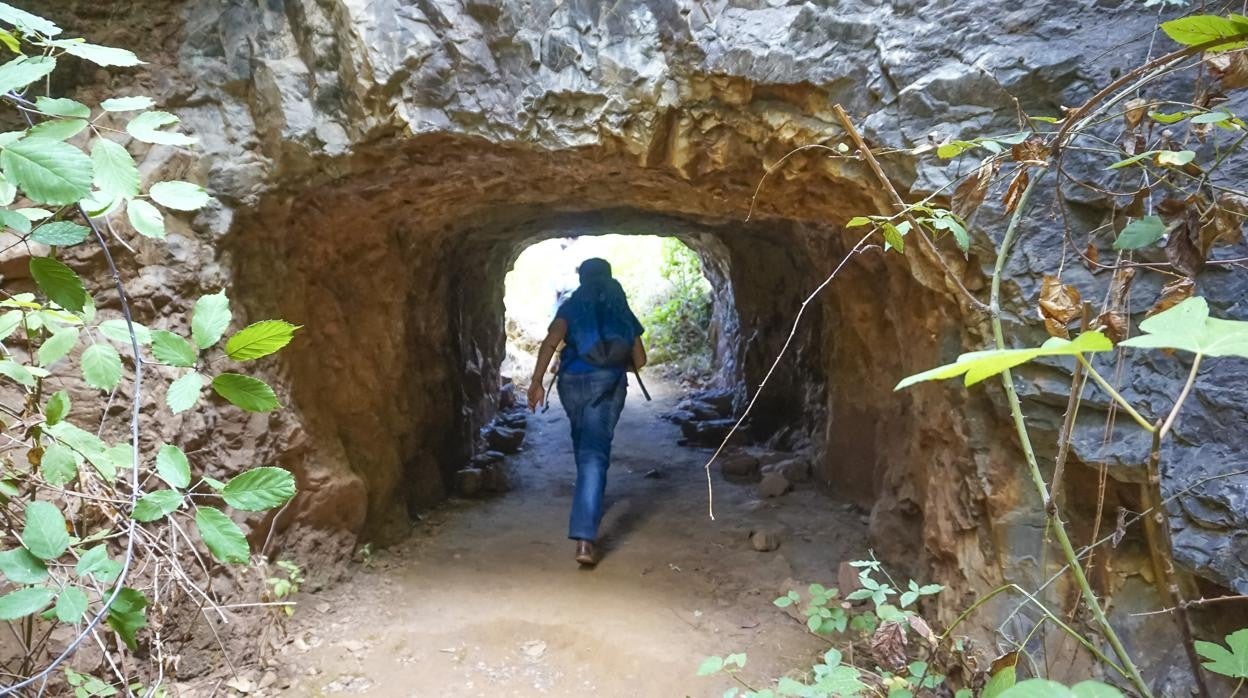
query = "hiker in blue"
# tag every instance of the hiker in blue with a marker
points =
(602, 342)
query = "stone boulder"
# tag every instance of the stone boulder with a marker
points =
(504, 439)
(774, 485)
(740, 467)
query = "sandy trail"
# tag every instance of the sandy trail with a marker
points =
(485, 599)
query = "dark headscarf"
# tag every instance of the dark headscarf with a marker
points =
(599, 288)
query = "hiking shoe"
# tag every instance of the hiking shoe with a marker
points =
(585, 553)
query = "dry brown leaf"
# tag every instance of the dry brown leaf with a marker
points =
(1135, 209)
(920, 626)
(1183, 248)
(1230, 68)
(888, 644)
(1015, 191)
(1059, 306)
(35, 456)
(969, 195)
(1008, 659)
(1137, 109)
(1113, 321)
(1172, 294)
(1091, 257)
(1225, 222)
(1032, 149)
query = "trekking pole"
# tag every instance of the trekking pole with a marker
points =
(640, 384)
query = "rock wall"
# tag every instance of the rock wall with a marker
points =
(379, 164)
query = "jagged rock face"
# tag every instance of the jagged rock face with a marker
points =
(380, 164)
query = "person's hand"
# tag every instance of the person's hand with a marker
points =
(536, 394)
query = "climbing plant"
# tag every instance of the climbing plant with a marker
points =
(677, 327)
(107, 531)
(1159, 155)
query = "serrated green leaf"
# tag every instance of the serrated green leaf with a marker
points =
(23, 70)
(173, 350)
(43, 533)
(127, 615)
(116, 104)
(259, 489)
(24, 602)
(60, 233)
(1232, 662)
(98, 204)
(17, 372)
(172, 466)
(15, 220)
(783, 602)
(58, 465)
(146, 219)
(105, 56)
(245, 392)
(20, 567)
(117, 330)
(62, 107)
(184, 392)
(225, 540)
(58, 407)
(96, 563)
(71, 605)
(59, 283)
(57, 346)
(101, 366)
(181, 196)
(156, 505)
(1199, 29)
(122, 455)
(8, 191)
(978, 365)
(710, 665)
(953, 149)
(260, 339)
(210, 318)
(1188, 327)
(58, 129)
(27, 22)
(115, 172)
(87, 445)
(148, 127)
(48, 171)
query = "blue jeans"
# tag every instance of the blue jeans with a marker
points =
(593, 402)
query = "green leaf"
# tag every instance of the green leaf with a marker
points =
(58, 465)
(953, 149)
(9, 323)
(1211, 117)
(858, 221)
(223, 537)
(98, 564)
(58, 407)
(127, 615)
(101, 366)
(60, 233)
(17, 372)
(20, 567)
(1169, 119)
(15, 220)
(1000, 682)
(1188, 327)
(63, 107)
(893, 237)
(908, 598)
(117, 330)
(1175, 157)
(87, 445)
(26, 22)
(71, 605)
(1140, 233)
(260, 339)
(173, 350)
(173, 467)
(59, 283)
(115, 171)
(184, 392)
(181, 196)
(20, 72)
(710, 665)
(58, 129)
(928, 589)
(737, 659)
(1035, 688)
(245, 392)
(55, 348)
(1232, 662)
(24, 602)
(259, 489)
(44, 533)
(1094, 689)
(50, 172)
(146, 219)
(978, 365)
(105, 56)
(1198, 29)
(156, 505)
(148, 126)
(210, 318)
(783, 602)
(127, 103)
(98, 204)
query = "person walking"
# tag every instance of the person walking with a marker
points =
(601, 340)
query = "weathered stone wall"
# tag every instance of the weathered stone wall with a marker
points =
(378, 163)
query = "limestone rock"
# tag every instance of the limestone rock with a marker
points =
(793, 469)
(495, 478)
(766, 540)
(774, 485)
(504, 439)
(469, 481)
(739, 466)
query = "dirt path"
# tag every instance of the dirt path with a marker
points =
(485, 599)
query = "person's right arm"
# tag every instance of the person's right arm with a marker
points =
(554, 337)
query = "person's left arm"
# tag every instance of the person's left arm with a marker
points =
(554, 337)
